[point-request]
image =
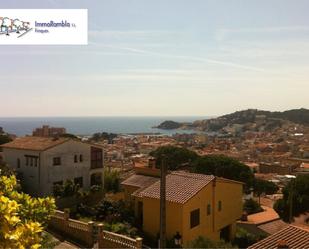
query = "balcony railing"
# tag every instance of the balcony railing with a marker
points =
(96, 165)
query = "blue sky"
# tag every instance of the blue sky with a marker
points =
(164, 57)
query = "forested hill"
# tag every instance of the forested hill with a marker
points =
(269, 119)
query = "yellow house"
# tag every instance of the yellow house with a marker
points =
(196, 205)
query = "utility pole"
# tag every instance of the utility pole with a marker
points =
(162, 244)
(291, 200)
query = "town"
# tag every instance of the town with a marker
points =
(236, 188)
(154, 124)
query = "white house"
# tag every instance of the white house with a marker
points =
(42, 162)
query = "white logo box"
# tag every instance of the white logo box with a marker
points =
(43, 26)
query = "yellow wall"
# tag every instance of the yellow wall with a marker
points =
(128, 191)
(178, 215)
(231, 196)
(151, 224)
(205, 228)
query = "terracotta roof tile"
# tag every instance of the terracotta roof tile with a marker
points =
(34, 143)
(296, 238)
(180, 186)
(140, 181)
(273, 226)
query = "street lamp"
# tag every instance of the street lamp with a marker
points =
(177, 239)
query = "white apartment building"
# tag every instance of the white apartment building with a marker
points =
(42, 162)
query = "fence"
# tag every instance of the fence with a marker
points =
(89, 233)
(114, 240)
(76, 230)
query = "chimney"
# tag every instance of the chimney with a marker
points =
(282, 244)
(244, 216)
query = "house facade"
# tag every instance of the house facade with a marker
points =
(196, 205)
(42, 162)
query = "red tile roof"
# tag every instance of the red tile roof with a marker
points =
(140, 181)
(273, 226)
(180, 186)
(305, 165)
(34, 143)
(296, 237)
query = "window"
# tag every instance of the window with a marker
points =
(79, 181)
(32, 160)
(80, 158)
(208, 209)
(219, 206)
(195, 218)
(56, 161)
(18, 163)
(75, 158)
(96, 158)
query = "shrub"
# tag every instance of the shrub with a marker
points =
(243, 239)
(22, 218)
(95, 188)
(69, 188)
(251, 207)
(203, 242)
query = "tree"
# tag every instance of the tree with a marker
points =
(103, 136)
(111, 181)
(223, 166)
(297, 192)
(22, 218)
(203, 242)
(69, 135)
(261, 186)
(244, 239)
(4, 139)
(175, 157)
(251, 206)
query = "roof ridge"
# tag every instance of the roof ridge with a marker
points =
(189, 174)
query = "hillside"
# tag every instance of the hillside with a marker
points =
(169, 125)
(299, 116)
(265, 120)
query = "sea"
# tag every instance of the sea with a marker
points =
(86, 126)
